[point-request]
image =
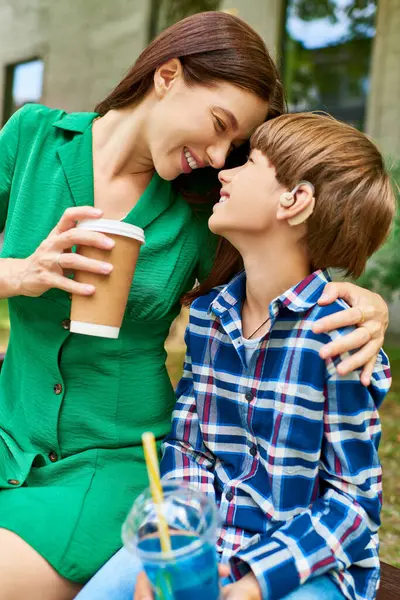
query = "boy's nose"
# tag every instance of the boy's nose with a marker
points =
(227, 175)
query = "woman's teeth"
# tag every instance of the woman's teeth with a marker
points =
(191, 161)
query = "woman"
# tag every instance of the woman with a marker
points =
(72, 407)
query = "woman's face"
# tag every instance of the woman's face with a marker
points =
(194, 127)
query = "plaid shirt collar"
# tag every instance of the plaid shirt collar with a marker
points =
(299, 298)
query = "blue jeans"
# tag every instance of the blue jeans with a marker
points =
(116, 581)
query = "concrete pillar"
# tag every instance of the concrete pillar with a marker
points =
(265, 16)
(383, 123)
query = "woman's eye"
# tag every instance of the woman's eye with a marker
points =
(220, 125)
(249, 159)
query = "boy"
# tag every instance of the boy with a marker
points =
(285, 445)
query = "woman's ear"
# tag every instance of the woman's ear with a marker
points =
(166, 75)
(297, 206)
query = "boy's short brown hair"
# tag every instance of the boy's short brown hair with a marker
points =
(354, 200)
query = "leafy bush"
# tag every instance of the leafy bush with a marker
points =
(383, 271)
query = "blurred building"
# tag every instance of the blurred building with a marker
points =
(340, 56)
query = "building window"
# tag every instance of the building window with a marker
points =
(24, 83)
(168, 12)
(327, 55)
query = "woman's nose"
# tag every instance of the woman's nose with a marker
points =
(217, 156)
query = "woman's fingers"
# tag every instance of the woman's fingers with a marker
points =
(360, 358)
(75, 262)
(367, 371)
(143, 589)
(352, 341)
(344, 318)
(339, 289)
(53, 280)
(74, 214)
(81, 237)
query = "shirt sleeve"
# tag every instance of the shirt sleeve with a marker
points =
(340, 526)
(9, 140)
(185, 456)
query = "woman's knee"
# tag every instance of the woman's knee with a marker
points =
(26, 574)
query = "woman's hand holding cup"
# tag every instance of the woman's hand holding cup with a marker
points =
(47, 267)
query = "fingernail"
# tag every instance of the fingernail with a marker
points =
(316, 328)
(97, 211)
(324, 353)
(89, 289)
(110, 243)
(323, 298)
(106, 267)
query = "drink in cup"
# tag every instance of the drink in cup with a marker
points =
(102, 313)
(189, 569)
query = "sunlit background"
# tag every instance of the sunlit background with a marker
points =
(339, 56)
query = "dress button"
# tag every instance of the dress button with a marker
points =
(13, 481)
(249, 396)
(253, 450)
(229, 496)
(57, 389)
(66, 324)
(53, 457)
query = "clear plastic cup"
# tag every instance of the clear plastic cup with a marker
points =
(190, 570)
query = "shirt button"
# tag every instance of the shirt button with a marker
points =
(53, 457)
(253, 450)
(57, 389)
(229, 496)
(249, 396)
(13, 481)
(66, 324)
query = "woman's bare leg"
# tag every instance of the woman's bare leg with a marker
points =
(25, 574)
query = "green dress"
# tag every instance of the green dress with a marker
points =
(73, 407)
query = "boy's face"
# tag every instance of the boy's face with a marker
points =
(249, 198)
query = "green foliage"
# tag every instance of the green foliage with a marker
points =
(361, 13)
(383, 271)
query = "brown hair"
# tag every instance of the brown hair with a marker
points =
(355, 202)
(212, 47)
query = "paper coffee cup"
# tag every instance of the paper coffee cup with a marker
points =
(102, 313)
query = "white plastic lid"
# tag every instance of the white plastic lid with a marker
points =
(115, 227)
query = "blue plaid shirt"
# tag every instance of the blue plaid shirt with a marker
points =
(286, 446)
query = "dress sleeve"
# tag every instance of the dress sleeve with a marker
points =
(9, 139)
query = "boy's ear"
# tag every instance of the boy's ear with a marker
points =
(166, 75)
(297, 206)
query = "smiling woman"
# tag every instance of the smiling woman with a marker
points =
(198, 90)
